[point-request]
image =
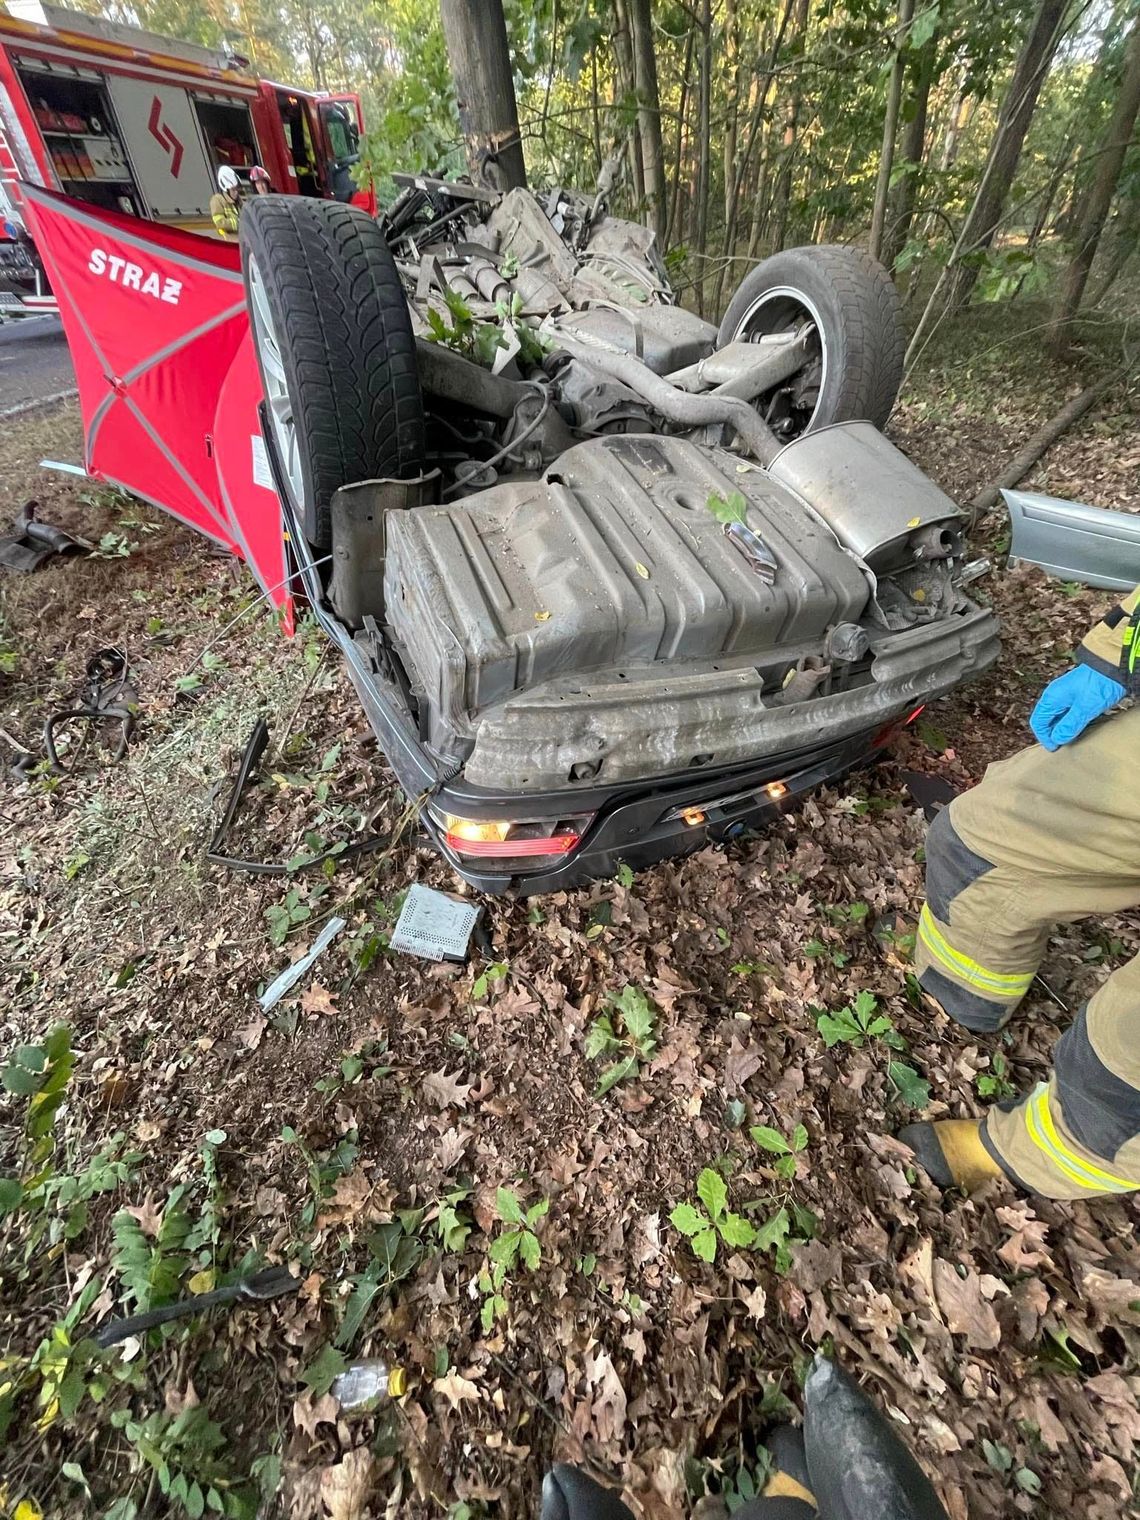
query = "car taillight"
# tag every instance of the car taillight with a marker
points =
(527, 842)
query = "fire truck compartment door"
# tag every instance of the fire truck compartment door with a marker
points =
(165, 146)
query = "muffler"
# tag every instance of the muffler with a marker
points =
(878, 504)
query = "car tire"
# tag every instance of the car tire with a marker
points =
(335, 349)
(854, 304)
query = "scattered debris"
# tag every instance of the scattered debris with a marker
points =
(368, 1382)
(254, 749)
(273, 1282)
(32, 541)
(107, 696)
(434, 926)
(931, 793)
(293, 974)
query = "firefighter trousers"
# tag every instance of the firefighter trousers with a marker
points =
(1045, 838)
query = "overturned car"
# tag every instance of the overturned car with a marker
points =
(609, 581)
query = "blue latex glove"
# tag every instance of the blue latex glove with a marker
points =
(1070, 703)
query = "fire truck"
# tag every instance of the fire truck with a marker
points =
(130, 121)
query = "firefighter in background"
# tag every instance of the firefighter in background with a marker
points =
(1051, 835)
(225, 206)
(259, 179)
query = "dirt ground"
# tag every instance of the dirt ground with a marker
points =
(363, 1129)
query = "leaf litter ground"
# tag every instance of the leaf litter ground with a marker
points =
(365, 1129)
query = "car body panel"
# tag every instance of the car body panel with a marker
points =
(1096, 546)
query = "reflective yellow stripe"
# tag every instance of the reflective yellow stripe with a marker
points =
(1003, 985)
(1043, 1133)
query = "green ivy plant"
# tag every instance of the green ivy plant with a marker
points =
(704, 1226)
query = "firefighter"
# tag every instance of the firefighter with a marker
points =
(1051, 835)
(259, 179)
(226, 204)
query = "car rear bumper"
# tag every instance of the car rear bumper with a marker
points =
(644, 824)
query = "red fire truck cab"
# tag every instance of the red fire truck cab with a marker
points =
(134, 122)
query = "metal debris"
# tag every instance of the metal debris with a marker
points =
(32, 541)
(434, 926)
(272, 1282)
(293, 974)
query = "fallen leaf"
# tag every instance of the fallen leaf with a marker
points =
(1113, 1297)
(317, 999)
(608, 1406)
(743, 1061)
(445, 1090)
(308, 1412)
(756, 1302)
(346, 1486)
(456, 1389)
(250, 1035)
(965, 1310)
(148, 1214)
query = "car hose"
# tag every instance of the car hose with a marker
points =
(679, 406)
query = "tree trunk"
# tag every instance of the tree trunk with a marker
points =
(1102, 188)
(671, 227)
(476, 36)
(704, 174)
(649, 115)
(913, 150)
(783, 194)
(1005, 152)
(1125, 239)
(756, 132)
(625, 87)
(890, 128)
(732, 108)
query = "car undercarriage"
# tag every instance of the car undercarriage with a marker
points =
(609, 580)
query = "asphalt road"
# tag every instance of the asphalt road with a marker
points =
(34, 362)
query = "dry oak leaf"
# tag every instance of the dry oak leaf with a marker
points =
(317, 999)
(148, 1214)
(446, 1090)
(308, 1412)
(346, 1486)
(456, 1389)
(963, 1306)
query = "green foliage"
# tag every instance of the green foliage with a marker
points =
(495, 972)
(296, 908)
(995, 1083)
(630, 1034)
(366, 1064)
(785, 1151)
(817, 949)
(1002, 1460)
(150, 1271)
(517, 1245)
(187, 1454)
(453, 1223)
(747, 1481)
(913, 1090)
(791, 1222)
(704, 1226)
(732, 508)
(857, 1022)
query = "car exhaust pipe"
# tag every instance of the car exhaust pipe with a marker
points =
(678, 406)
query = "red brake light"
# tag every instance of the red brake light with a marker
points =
(554, 844)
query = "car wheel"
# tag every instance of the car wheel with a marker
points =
(335, 348)
(852, 311)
